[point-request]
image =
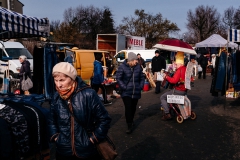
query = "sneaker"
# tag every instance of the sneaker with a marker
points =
(107, 103)
(166, 117)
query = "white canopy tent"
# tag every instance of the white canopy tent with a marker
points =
(216, 40)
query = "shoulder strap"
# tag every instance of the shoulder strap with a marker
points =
(70, 107)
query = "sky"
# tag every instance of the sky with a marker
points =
(173, 10)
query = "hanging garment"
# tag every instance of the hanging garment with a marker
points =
(36, 125)
(221, 72)
(38, 70)
(213, 83)
(234, 69)
(50, 59)
(5, 140)
(18, 125)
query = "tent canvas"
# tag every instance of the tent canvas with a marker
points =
(216, 40)
(16, 25)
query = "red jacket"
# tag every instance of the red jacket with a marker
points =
(179, 76)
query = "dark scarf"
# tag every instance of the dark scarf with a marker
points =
(65, 94)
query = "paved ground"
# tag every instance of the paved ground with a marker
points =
(213, 135)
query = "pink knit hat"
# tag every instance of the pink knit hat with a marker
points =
(65, 68)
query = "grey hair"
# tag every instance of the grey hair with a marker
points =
(23, 57)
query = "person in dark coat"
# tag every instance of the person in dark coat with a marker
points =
(158, 63)
(130, 79)
(203, 62)
(75, 136)
(98, 78)
(24, 70)
(141, 61)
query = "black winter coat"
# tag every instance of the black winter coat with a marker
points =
(89, 110)
(203, 61)
(25, 69)
(158, 63)
(130, 80)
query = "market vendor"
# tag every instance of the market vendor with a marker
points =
(178, 81)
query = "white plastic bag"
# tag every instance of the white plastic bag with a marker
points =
(159, 76)
(199, 68)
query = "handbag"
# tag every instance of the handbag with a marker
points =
(26, 83)
(106, 148)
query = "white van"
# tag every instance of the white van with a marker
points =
(12, 51)
(147, 55)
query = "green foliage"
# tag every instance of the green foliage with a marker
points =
(153, 27)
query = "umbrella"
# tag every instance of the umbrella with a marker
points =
(175, 45)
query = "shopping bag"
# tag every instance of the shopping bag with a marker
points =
(159, 76)
(26, 83)
(199, 68)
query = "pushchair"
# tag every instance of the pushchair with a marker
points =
(180, 108)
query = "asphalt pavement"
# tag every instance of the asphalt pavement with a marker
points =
(214, 135)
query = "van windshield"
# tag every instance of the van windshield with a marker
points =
(16, 52)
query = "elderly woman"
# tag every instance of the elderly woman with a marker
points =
(24, 70)
(78, 119)
(131, 81)
(177, 79)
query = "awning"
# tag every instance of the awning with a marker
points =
(16, 25)
(216, 40)
(234, 35)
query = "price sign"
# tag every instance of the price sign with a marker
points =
(175, 99)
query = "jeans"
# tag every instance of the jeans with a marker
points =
(130, 108)
(221, 72)
(163, 98)
(49, 60)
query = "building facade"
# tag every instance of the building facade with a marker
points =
(13, 5)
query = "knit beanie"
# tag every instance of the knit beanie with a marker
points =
(157, 51)
(65, 68)
(132, 56)
(180, 58)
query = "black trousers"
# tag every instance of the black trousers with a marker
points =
(130, 108)
(104, 93)
(158, 87)
(61, 157)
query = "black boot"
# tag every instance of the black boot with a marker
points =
(130, 128)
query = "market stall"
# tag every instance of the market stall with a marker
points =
(215, 40)
(23, 120)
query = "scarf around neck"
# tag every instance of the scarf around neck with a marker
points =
(65, 94)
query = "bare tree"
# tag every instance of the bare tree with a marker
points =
(82, 24)
(203, 22)
(236, 18)
(69, 15)
(228, 17)
(152, 27)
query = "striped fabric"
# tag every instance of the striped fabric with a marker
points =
(234, 35)
(16, 25)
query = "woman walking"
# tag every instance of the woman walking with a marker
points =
(77, 119)
(131, 81)
(24, 71)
